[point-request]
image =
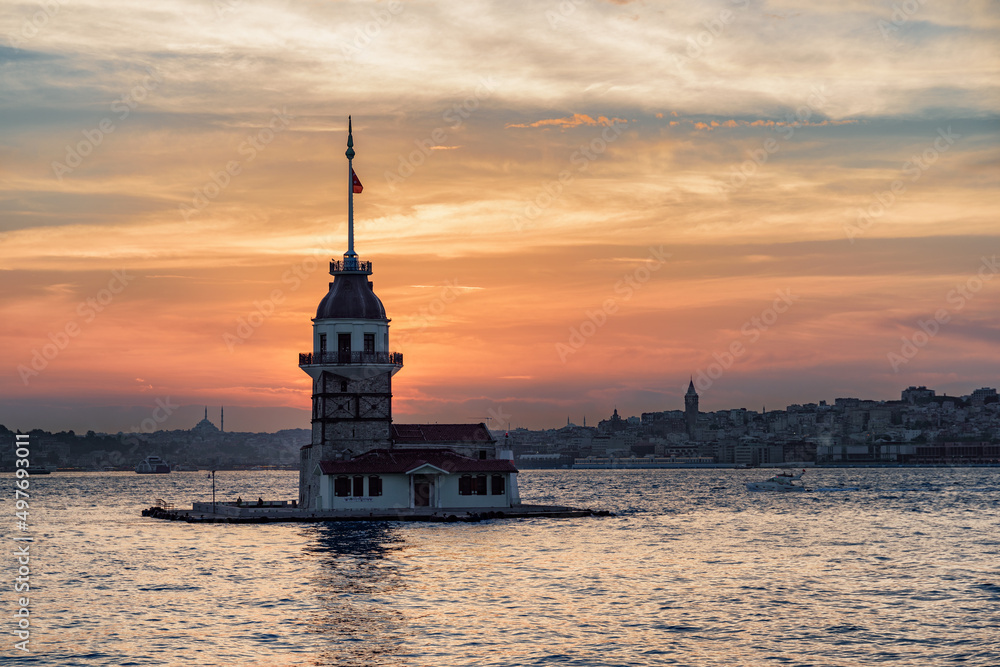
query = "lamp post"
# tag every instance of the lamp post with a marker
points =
(213, 491)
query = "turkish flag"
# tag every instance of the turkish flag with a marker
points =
(357, 183)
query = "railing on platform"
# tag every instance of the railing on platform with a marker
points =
(350, 358)
(338, 266)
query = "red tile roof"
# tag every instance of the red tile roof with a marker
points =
(441, 434)
(404, 460)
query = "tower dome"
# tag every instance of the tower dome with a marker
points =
(351, 296)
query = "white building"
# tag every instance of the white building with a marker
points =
(411, 478)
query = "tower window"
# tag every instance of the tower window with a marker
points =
(343, 385)
(344, 347)
(322, 344)
(369, 343)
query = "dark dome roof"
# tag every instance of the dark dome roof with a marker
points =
(351, 297)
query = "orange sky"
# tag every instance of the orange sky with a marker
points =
(569, 208)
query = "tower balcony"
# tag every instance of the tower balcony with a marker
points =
(350, 265)
(351, 359)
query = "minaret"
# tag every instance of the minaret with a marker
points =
(691, 409)
(351, 366)
(222, 419)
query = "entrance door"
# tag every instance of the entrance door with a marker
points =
(344, 348)
(421, 491)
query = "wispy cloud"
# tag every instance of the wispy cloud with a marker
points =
(576, 120)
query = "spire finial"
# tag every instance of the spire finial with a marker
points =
(350, 257)
(350, 140)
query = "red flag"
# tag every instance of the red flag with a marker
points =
(356, 182)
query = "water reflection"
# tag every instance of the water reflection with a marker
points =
(355, 581)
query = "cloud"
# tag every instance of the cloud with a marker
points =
(576, 120)
(731, 123)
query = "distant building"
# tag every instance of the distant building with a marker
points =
(613, 425)
(982, 396)
(205, 427)
(691, 409)
(917, 395)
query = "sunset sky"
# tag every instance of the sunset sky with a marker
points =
(570, 206)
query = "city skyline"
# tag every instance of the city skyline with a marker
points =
(166, 416)
(633, 195)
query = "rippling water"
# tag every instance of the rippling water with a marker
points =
(895, 566)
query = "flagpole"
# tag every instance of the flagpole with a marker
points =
(350, 256)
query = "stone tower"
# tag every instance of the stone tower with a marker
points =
(350, 364)
(691, 409)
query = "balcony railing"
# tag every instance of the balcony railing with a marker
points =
(338, 266)
(350, 358)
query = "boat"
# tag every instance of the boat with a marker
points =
(39, 470)
(152, 465)
(783, 482)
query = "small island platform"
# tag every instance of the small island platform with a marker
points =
(285, 511)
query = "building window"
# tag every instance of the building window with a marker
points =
(474, 485)
(498, 485)
(359, 485)
(343, 385)
(374, 485)
(465, 485)
(369, 343)
(322, 344)
(342, 486)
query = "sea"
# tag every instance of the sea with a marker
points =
(893, 566)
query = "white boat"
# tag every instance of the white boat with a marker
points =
(152, 465)
(782, 482)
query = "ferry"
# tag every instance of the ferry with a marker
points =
(152, 465)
